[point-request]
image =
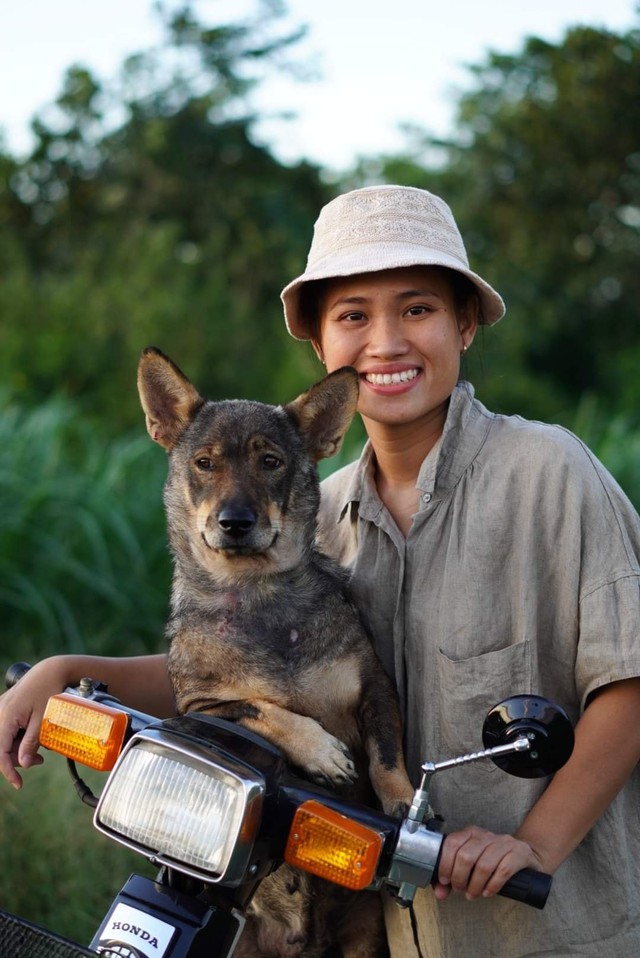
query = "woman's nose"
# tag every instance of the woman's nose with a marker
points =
(386, 338)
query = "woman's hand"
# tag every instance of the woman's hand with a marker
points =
(478, 862)
(21, 711)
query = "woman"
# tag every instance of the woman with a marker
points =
(490, 556)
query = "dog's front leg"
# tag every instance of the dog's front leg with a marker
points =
(381, 731)
(305, 743)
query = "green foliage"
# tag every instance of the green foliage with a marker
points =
(84, 564)
(175, 230)
(615, 441)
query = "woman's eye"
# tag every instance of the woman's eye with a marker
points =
(419, 310)
(204, 464)
(271, 462)
(352, 317)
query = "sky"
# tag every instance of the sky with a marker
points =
(380, 65)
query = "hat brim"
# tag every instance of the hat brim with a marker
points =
(350, 264)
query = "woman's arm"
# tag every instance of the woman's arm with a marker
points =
(607, 749)
(141, 682)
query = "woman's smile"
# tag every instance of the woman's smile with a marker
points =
(390, 377)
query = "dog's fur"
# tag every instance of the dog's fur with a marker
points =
(262, 631)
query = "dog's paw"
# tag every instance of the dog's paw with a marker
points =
(396, 808)
(396, 797)
(331, 764)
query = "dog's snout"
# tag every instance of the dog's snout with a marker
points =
(236, 521)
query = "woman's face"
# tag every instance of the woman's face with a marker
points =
(400, 331)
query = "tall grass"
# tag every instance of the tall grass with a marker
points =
(615, 441)
(83, 558)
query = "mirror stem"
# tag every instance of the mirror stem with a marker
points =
(420, 807)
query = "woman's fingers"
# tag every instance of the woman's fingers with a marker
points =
(477, 862)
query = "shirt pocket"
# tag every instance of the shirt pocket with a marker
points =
(469, 688)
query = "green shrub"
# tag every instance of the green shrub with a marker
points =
(615, 441)
(84, 564)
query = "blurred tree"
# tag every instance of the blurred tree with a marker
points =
(172, 226)
(174, 229)
(544, 178)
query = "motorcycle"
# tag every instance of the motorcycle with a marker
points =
(216, 808)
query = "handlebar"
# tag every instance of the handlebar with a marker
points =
(14, 673)
(528, 886)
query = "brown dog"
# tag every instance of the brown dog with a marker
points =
(262, 631)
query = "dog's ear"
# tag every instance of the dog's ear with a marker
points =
(324, 412)
(168, 399)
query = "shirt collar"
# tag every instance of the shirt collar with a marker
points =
(465, 431)
(361, 490)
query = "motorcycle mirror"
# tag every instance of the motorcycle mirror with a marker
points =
(544, 723)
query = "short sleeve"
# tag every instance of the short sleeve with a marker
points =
(609, 644)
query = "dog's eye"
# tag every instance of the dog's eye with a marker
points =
(204, 464)
(271, 462)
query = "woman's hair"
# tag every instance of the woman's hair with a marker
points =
(311, 294)
(463, 290)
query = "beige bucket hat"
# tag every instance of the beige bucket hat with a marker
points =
(384, 227)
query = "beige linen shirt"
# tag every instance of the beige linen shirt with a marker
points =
(520, 574)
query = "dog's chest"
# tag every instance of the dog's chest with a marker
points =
(285, 662)
(286, 627)
(292, 640)
(301, 653)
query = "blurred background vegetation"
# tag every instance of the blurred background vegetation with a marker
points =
(176, 229)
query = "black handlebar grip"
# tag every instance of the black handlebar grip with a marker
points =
(14, 673)
(528, 886)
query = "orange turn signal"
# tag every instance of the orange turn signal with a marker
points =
(84, 731)
(327, 843)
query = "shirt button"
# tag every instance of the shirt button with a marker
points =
(426, 497)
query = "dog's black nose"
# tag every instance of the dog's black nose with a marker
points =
(236, 521)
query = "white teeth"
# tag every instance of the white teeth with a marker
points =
(388, 379)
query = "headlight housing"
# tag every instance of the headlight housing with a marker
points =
(178, 803)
